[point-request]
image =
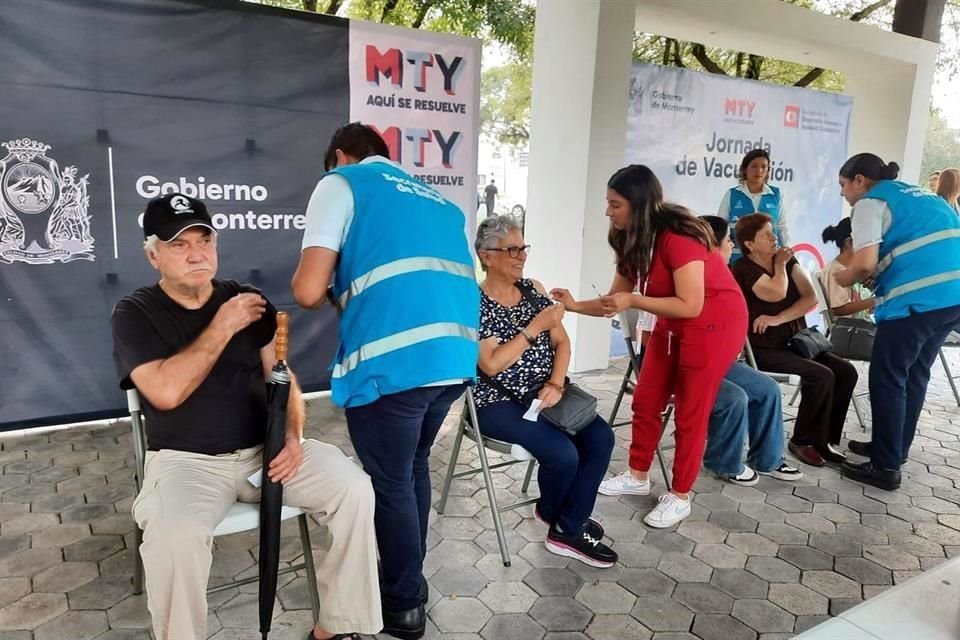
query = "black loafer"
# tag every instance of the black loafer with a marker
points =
(831, 453)
(869, 474)
(865, 448)
(406, 625)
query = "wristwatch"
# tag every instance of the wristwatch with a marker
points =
(531, 339)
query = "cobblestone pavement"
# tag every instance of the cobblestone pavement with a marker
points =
(762, 562)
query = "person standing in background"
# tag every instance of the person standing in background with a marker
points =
(754, 195)
(948, 188)
(933, 181)
(490, 196)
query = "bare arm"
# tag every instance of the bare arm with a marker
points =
(561, 347)
(313, 275)
(688, 301)
(296, 411)
(808, 298)
(168, 382)
(854, 306)
(594, 306)
(862, 266)
(774, 289)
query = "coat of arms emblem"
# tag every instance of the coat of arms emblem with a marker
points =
(43, 209)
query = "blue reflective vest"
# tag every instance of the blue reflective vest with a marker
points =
(741, 205)
(919, 256)
(406, 286)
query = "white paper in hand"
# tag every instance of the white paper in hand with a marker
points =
(533, 411)
(257, 478)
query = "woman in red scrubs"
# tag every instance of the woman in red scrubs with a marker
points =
(701, 328)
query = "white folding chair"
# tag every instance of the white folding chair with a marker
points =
(828, 322)
(628, 326)
(516, 453)
(953, 340)
(240, 518)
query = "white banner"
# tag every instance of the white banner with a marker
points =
(421, 91)
(693, 129)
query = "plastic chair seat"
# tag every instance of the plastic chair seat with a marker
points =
(244, 516)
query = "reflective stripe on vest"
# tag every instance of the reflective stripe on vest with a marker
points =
(921, 283)
(915, 244)
(388, 344)
(399, 268)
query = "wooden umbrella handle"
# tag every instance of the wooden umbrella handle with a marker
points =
(283, 335)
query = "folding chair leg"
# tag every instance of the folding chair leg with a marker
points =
(137, 562)
(526, 478)
(488, 483)
(796, 394)
(856, 409)
(454, 455)
(308, 567)
(660, 458)
(950, 378)
(624, 385)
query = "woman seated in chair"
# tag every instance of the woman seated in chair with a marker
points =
(523, 348)
(855, 301)
(779, 295)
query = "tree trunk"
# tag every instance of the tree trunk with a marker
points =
(739, 63)
(388, 8)
(333, 7)
(754, 63)
(309, 5)
(700, 53)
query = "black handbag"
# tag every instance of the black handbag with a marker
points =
(575, 410)
(852, 338)
(809, 343)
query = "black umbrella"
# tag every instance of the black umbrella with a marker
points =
(271, 496)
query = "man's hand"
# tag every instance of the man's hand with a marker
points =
(286, 464)
(762, 323)
(239, 312)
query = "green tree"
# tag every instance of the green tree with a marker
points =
(505, 103)
(942, 149)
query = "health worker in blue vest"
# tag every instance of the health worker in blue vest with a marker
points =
(907, 240)
(403, 278)
(754, 195)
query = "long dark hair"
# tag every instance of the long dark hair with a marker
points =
(838, 233)
(649, 215)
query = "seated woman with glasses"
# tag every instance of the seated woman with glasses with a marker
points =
(524, 347)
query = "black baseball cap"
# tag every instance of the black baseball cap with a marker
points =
(167, 216)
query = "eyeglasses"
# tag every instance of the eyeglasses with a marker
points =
(513, 251)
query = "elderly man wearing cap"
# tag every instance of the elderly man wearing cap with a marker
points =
(197, 349)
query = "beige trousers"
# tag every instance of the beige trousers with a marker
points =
(186, 495)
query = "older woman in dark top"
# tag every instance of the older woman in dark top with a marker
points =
(779, 295)
(524, 353)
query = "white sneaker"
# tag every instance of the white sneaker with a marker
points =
(784, 472)
(624, 484)
(746, 478)
(670, 510)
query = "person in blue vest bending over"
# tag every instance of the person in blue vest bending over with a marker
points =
(907, 240)
(403, 278)
(754, 195)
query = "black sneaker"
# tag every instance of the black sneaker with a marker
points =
(865, 448)
(594, 528)
(585, 548)
(869, 474)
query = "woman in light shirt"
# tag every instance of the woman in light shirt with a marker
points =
(948, 187)
(856, 300)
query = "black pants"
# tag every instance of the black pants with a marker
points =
(903, 352)
(826, 388)
(392, 438)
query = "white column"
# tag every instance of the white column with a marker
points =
(581, 76)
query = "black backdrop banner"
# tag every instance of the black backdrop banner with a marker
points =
(106, 104)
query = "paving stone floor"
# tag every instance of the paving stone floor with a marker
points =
(764, 562)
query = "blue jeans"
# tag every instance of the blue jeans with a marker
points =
(748, 407)
(392, 438)
(571, 467)
(903, 352)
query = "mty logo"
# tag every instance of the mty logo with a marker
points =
(738, 107)
(392, 65)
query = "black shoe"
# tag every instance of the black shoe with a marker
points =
(594, 528)
(406, 625)
(585, 548)
(832, 453)
(865, 448)
(424, 590)
(866, 473)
